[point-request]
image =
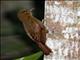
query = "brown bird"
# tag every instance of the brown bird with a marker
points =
(34, 29)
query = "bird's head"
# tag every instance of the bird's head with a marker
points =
(24, 14)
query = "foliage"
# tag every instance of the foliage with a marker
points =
(35, 56)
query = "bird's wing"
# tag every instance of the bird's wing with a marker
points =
(43, 36)
(42, 29)
(32, 32)
(36, 33)
(40, 33)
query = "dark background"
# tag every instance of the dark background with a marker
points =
(14, 41)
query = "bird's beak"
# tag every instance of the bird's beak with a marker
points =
(32, 9)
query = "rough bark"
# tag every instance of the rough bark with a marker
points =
(62, 20)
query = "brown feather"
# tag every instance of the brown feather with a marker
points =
(34, 29)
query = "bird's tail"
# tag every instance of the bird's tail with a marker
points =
(46, 50)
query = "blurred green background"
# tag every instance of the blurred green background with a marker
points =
(14, 41)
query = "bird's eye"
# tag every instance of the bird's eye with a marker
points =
(24, 11)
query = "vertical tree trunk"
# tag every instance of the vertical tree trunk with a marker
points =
(62, 19)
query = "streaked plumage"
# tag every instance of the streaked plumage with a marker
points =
(34, 29)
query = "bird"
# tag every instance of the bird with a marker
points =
(35, 29)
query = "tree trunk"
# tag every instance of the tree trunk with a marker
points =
(62, 19)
